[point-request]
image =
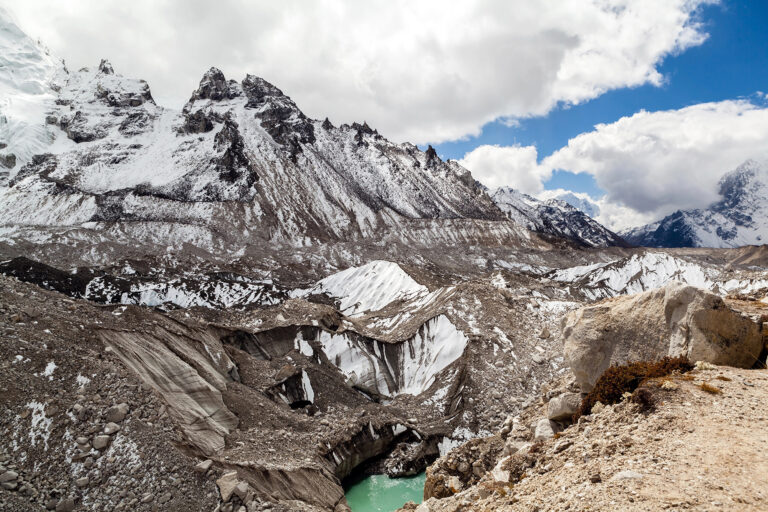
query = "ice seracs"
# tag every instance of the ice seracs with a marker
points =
(649, 271)
(391, 369)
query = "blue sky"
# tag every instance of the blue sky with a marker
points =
(732, 63)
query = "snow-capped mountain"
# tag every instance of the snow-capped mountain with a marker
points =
(554, 217)
(579, 201)
(28, 84)
(739, 218)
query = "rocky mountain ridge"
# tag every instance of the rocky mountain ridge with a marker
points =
(554, 217)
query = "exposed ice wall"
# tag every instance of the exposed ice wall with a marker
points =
(396, 368)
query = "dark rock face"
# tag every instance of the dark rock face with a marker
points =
(259, 91)
(673, 231)
(123, 99)
(135, 123)
(106, 67)
(361, 131)
(8, 161)
(200, 121)
(432, 157)
(42, 165)
(79, 130)
(234, 165)
(215, 87)
(279, 115)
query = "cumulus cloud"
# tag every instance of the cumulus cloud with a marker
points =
(649, 164)
(653, 163)
(417, 71)
(514, 166)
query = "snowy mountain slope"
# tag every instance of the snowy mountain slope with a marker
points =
(236, 151)
(239, 166)
(28, 84)
(554, 217)
(579, 201)
(739, 218)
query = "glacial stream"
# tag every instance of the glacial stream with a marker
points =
(379, 493)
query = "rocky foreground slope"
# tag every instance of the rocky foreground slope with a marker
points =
(371, 369)
(697, 450)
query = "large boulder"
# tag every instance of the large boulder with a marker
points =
(671, 321)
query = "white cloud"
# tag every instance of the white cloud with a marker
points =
(419, 71)
(649, 164)
(514, 166)
(653, 163)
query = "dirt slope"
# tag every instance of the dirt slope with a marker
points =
(697, 451)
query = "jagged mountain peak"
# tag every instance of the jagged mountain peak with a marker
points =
(106, 67)
(214, 86)
(739, 218)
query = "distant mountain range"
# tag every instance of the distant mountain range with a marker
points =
(739, 218)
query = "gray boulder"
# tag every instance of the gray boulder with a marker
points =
(563, 407)
(671, 321)
(545, 429)
(117, 413)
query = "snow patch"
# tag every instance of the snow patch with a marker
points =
(306, 385)
(369, 287)
(41, 424)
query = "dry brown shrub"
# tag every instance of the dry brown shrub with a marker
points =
(620, 379)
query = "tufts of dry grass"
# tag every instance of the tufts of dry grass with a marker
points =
(705, 386)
